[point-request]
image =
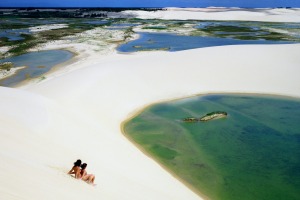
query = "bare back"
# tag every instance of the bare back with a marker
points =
(76, 171)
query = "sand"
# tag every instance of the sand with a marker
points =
(47, 27)
(5, 74)
(215, 13)
(46, 126)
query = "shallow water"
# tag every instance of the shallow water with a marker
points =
(211, 33)
(254, 153)
(38, 63)
(96, 22)
(173, 42)
(14, 34)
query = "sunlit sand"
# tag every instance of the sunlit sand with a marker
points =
(77, 112)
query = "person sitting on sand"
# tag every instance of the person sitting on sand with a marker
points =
(89, 178)
(76, 169)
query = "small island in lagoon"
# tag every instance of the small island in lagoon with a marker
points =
(213, 115)
(190, 119)
(207, 117)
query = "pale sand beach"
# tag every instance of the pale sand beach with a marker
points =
(77, 114)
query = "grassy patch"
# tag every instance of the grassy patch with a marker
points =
(128, 33)
(4, 41)
(42, 78)
(254, 31)
(155, 27)
(224, 28)
(57, 34)
(6, 66)
(21, 47)
(5, 25)
(32, 40)
(275, 37)
(271, 36)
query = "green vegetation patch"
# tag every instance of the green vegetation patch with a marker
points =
(3, 41)
(272, 36)
(128, 33)
(227, 28)
(57, 34)
(21, 46)
(6, 66)
(249, 31)
(32, 40)
(6, 25)
(155, 27)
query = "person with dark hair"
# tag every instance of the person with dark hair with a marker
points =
(76, 169)
(89, 178)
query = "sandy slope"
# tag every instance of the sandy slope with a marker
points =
(46, 126)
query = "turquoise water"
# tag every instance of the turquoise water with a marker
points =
(254, 153)
(34, 61)
(173, 42)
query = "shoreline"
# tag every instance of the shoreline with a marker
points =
(140, 148)
(277, 95)
(81, 52)
(12, 72)
(148, 154)
(75, 58)
(142, 109)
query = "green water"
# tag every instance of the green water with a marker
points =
(254, 153)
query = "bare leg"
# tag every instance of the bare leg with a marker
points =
(92, 178)
(89, 178)
(86, 178)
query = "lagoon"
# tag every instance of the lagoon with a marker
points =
(173, 42)
(182, 35)
(13, 34)
(37, 64)
(254, 153)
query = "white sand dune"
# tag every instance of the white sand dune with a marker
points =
(46, 126)
(47, 27)
(78, 115)
(217, 13)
